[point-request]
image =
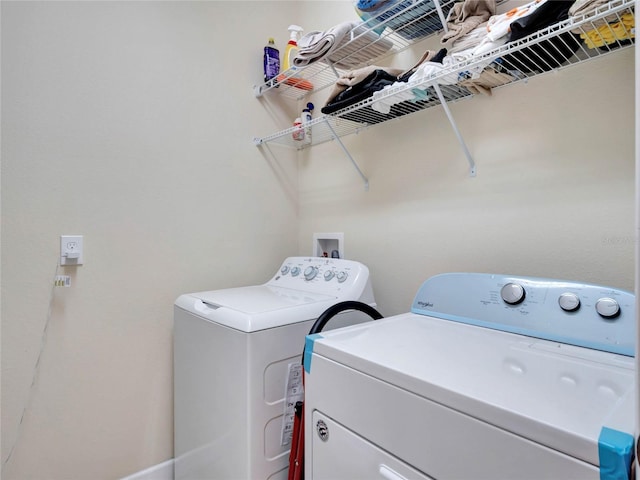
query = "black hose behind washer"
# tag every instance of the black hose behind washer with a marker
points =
(333, 310)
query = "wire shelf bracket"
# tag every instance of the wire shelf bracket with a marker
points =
(465, 150)
(336, 137)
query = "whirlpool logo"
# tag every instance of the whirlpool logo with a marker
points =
(424, 304)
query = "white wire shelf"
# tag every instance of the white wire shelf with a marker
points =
(556, 47)
(399, 26)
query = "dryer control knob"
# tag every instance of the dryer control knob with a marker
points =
(295, 271)
(512, 293)
(342, 276)
(284, 270)
(569, 302)
(310, 273)
(328, 275)
(607, 308)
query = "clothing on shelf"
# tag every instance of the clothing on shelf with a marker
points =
(547, 13)
(499, 26)
(548, 54)
(586, 7)
(376, 80)
(362, 83)
(354, 77)
(469, 40)
(413, 85)
(346, 45)
(475, 30)
(611, 32)
(488, 79)
(466, 16)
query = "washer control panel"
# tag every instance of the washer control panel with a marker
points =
(319, 274)
(587, 315)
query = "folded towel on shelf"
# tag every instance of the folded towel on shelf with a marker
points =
(346, 45)
(474, 44)
(467, 15)
(354, 77)
(469, 40)
(488, 79)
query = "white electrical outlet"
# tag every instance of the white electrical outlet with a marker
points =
(71, 250)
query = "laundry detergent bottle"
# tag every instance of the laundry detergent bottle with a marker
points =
(289, 75)
(271, 60)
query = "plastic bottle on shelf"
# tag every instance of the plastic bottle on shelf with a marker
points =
(271, 60)
(298, 132)
(288, 75)
(306, 119)
(292, 46)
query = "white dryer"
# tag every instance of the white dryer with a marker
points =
(234, 350)
(488, 377)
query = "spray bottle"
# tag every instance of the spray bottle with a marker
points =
(298, 130)
(289, 76)
(292, 46)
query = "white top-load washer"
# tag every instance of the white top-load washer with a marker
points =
(488, 377)
(235, 351)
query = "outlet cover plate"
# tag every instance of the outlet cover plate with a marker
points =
(71, 250)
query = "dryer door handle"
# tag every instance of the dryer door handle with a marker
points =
(389, 474)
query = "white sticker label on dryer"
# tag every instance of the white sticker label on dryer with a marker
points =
(294, 392)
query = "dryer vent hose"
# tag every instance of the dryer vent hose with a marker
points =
(334, 310)
(340, 307)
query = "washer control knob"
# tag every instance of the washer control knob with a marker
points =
(310, 273)
(569, 302)
(342, 276)
(512, 293)
(284, 270)
(328, 275)
(607, 308)
(295, 271)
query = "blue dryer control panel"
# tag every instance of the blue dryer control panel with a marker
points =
(586, 315)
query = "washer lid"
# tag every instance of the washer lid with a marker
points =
(555, 394)
(260, 298)
(256, 307)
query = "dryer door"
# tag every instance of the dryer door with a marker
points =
(340, 454)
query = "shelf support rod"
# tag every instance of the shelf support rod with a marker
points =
(344, 149)
(443, 19)
(443, 102)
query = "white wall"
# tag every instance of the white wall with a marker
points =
(553, 196)
(130, 123)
